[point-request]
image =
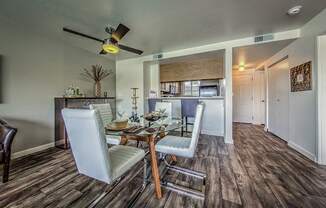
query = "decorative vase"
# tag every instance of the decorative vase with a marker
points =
(97, 89)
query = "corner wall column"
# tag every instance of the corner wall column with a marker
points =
(321, 99)
(228, 106)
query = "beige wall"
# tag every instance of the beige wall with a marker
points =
(35, 69)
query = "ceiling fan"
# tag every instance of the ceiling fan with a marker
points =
(111, 44)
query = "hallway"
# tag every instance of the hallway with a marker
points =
(278, 175)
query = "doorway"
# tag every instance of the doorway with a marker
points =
(278, 98)
(249, 97)
(243, 98)
(250, 72)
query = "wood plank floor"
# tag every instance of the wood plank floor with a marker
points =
(259, 170)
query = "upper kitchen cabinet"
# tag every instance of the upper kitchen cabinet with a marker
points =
(193, 69)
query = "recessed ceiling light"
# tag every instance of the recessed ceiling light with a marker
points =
(241, 67)
(294, 10)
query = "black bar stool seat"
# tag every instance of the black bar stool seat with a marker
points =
(152, 104)
(188, 110)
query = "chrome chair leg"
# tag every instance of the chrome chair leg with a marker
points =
(99, 198)
(133, 199)
(144, 185)
(181, 189)
(185, 171)
(145, 174)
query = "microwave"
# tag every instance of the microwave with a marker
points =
(209, 91)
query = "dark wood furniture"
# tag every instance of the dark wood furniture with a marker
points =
(61, 138)
(7, 134)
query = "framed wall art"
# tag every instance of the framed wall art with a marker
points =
(301, 78)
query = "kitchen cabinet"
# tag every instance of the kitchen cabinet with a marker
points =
(201, 69)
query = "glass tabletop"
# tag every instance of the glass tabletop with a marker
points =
(146, 129)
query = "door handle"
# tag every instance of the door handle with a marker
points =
(262, 101)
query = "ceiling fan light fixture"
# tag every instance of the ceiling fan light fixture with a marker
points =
(241, 67)
(115, 37)
(110, 48)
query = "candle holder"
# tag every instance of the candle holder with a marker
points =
(134, 116)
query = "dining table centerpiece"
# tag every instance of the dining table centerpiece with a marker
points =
(96, 73)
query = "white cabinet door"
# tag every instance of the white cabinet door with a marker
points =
(278, 83)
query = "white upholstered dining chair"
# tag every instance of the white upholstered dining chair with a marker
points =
(91, 154)
(167, 108)
(183, 147)
(107, 117)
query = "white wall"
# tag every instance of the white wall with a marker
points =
(303, 105)
(155, 78)
(36, 69)
(151, 80)
(151, 77)
(130, 73)
(321, 45)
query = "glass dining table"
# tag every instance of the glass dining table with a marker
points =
(149, 134)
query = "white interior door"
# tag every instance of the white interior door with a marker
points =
(242, 98)
(279, 86)
(259, 97)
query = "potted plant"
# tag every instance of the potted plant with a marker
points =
(96, 73)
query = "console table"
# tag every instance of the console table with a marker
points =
(61, 138)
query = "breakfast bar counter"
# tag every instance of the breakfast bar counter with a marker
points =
(213, 117)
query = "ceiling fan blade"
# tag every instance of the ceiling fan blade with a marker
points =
(103, 52)
(132, 50)
(82, 35)
(120, 32)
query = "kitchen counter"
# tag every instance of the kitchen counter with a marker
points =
(213, 117)
(200, 98)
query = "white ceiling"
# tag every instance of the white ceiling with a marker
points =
(254, 55)
(160, 26)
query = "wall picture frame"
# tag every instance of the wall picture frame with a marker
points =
(301, 77)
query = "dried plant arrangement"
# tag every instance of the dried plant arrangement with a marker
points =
(96, 73)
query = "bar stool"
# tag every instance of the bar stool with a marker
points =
(152, 104)
(167, 107)
(188, 110)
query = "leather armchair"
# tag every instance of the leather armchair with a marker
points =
(7, 134)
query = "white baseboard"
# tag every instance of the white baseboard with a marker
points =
(228, 141)
(302, 151)
(212, 133)
(32, 150)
